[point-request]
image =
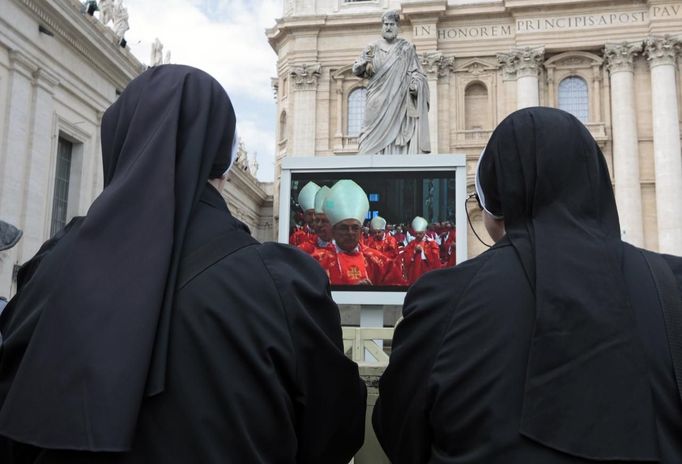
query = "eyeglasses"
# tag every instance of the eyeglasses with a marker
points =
(474, 196)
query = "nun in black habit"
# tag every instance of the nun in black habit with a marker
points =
(156, 330)
(551, 346)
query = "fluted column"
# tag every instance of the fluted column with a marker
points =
(625, 140)
(662, 53)
(304, 78)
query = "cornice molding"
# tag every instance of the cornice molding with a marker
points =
(85, 34)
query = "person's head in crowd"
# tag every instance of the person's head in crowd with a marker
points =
(378, 227)
(306, 199)
(346, 206)
(419, 226)
(9, 235)
(322, 226)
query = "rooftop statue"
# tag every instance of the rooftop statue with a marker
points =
(396, 115)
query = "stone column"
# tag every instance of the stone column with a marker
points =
(525, 64)
(305, 78)
(436, 66)
(662, 53)
(527, 67)
(625, 140)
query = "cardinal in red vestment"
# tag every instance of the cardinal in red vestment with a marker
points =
(421, 254)
(351, 263)
(306, 200)
(380, 240)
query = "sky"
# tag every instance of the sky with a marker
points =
(225, 38)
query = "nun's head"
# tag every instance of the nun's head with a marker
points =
(543, 163)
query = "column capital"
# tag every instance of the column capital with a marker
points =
(619, 56)
(436, 64)
(522, 62)
(662, 50)
(305, 76)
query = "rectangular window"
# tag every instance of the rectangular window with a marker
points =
(62, 180)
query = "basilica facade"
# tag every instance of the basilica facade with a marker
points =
(613, 64)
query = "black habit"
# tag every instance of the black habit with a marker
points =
(551, 346)
(141, 361)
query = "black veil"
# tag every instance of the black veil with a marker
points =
(103, 296)
(587, 391)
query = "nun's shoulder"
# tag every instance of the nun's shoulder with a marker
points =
(288, 263)
(675, 263)
(444, 286)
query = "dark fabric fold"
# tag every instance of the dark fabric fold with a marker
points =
(587, 391)
(103, 296)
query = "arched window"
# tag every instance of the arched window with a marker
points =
(573, 97)
(356, 111)
(476, 106)
(283, 125)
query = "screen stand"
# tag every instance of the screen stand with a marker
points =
(372, 316)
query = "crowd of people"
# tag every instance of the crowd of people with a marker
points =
(353, 250)
(155, 329)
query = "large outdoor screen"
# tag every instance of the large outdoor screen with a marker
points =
(416, 203)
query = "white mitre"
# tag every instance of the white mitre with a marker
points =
(320, 197)
(377, 223)
(419, 224)
(346, 200)
(306, 197)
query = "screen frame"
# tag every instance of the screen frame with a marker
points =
(375, 163)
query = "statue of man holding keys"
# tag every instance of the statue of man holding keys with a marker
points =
(396, 115)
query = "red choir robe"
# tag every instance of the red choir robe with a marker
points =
(414, 263)
(388, 246)
(447, 253)
(311, 245)
(365, 266)
(304, 234)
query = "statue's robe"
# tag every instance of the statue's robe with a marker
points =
(396, 122)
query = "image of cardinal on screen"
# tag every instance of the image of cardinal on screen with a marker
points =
(383, 230)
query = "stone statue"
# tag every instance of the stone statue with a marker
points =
(396, 115)
(254, 165)
(106, 11)
(166, 60)
(120, 20)
(157, 53)
(89, 7)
